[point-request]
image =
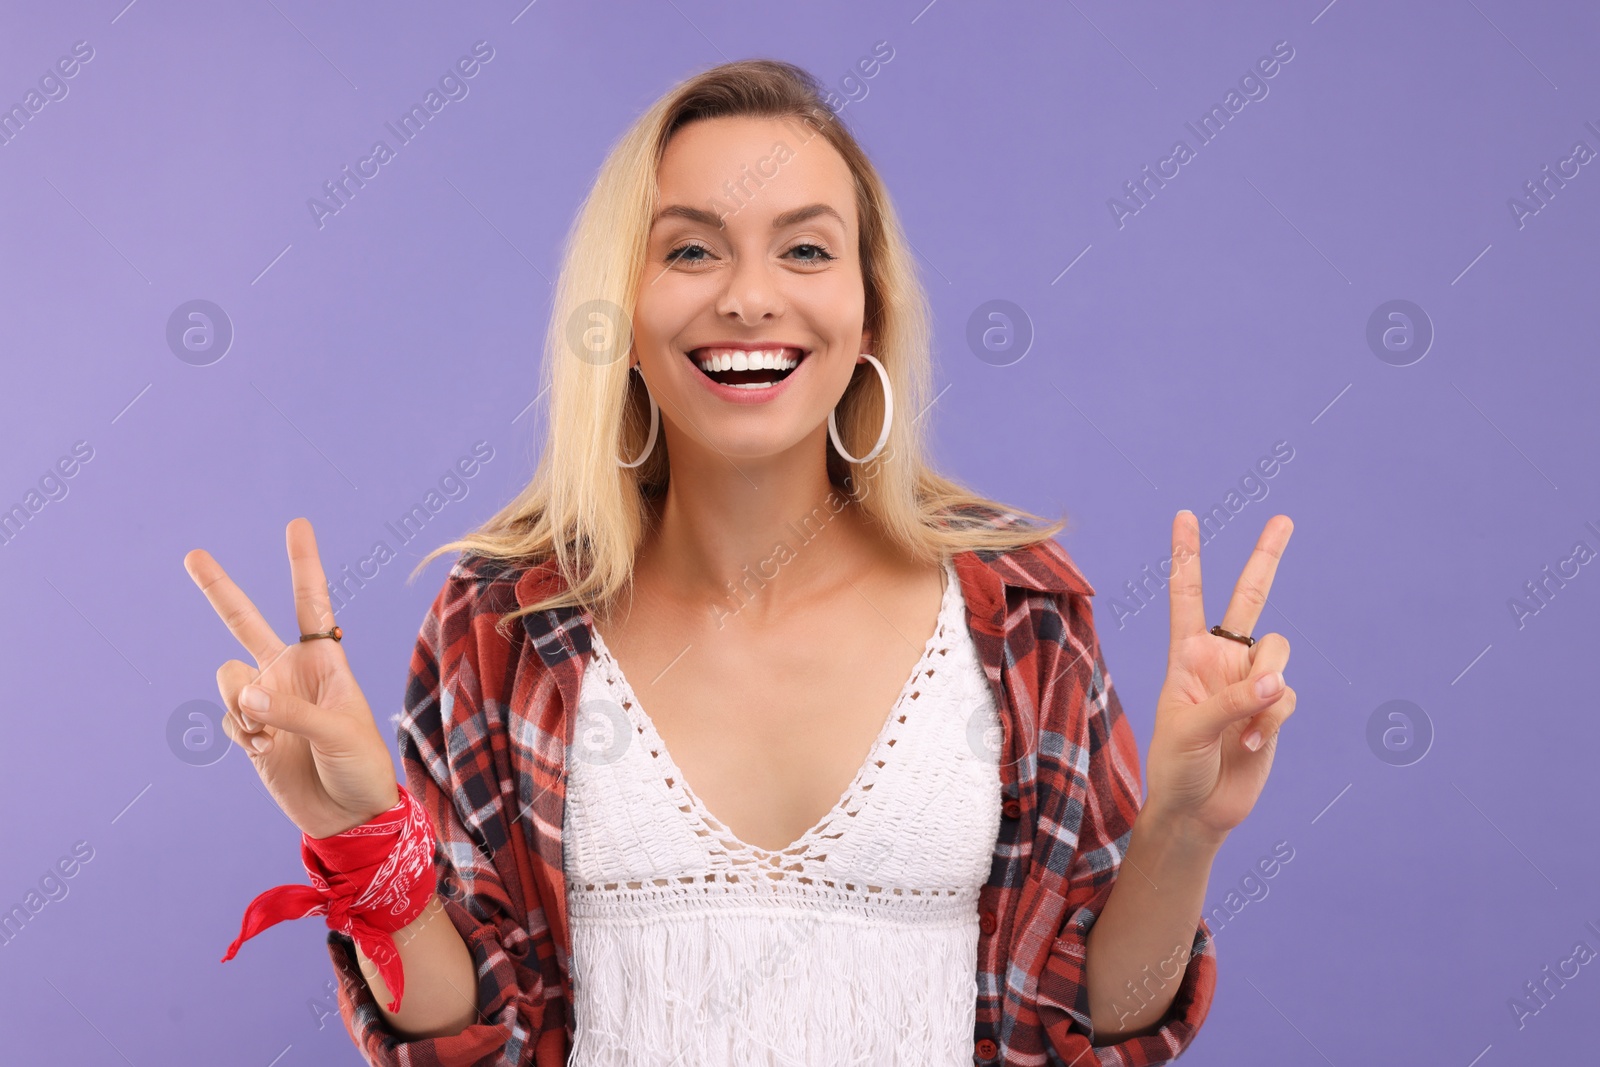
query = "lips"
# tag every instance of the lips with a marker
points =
(747, 366)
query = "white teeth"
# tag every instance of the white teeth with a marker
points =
(759, 359)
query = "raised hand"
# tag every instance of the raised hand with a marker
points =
(313, 740)
(1202, 767)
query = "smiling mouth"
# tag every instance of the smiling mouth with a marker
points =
(747, 368)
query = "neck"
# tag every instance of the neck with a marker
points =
(769, 532)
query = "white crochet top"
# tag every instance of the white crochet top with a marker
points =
(857, 944)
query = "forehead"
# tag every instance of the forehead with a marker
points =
(753, 169)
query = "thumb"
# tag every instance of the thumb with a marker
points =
(1244, 699)
(287, 712)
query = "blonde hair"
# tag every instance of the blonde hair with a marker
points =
(588, 513)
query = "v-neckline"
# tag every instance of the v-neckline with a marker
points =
(706, 823)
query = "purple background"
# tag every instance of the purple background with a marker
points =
(1229, 314)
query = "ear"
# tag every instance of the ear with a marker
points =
(866, 345)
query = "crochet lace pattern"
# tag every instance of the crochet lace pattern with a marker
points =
(857, 943)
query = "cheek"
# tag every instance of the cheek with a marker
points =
(647, 319)
(835, 310)
(667, 307)
(652, 337)
(831, 375)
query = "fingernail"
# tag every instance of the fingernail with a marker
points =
(260, 743)
(249, 723)
(1252, 740)
(254, 698)
(1269, 684)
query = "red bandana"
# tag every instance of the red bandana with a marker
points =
(369, 881)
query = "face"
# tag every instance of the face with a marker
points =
(773, 291)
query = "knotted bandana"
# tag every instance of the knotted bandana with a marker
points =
(369, 881)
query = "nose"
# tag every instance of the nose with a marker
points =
(752, 292)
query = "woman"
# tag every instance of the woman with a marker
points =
(647, 678)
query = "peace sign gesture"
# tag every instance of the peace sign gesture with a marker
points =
(1219, 694)
(312, 738)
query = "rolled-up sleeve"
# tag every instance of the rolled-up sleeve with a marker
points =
(1111, 802)
(455, 768)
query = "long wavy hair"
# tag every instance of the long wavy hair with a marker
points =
(588, 513)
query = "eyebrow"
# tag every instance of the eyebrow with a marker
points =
(710, 218)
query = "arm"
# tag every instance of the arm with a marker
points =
(1205, 778)
(441, 990)
(475, 986)
(1154, 938)
(1139, 947)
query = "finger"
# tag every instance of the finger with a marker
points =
(311, 607)
(235, 610)
(284, 711)
(1263, 729)
(1187, 606)
(1277, 646)
(1257, 692)
(254, 744)
(245, 731)
(1255, 581)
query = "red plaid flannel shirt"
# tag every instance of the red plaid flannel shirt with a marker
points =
(484, 737)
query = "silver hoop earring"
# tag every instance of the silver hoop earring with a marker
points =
(655, 423)
(888, 416)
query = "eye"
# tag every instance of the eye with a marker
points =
(686, 253)
(681, 254)
(823, 256)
